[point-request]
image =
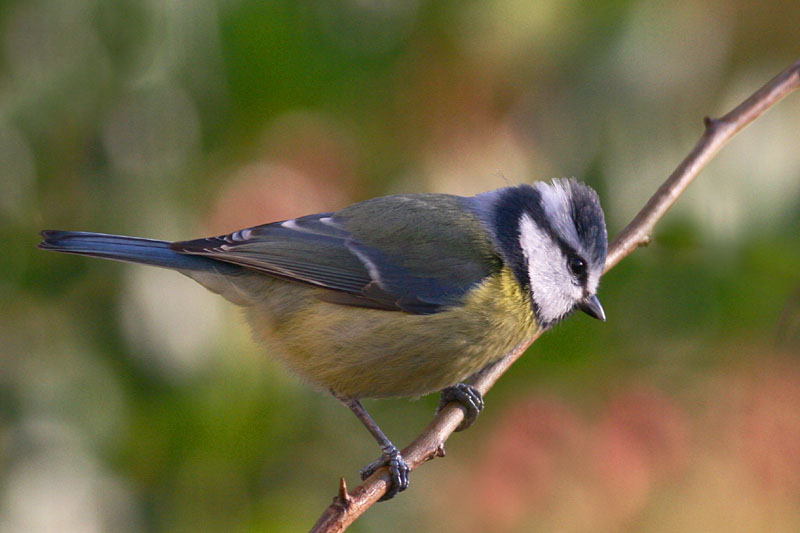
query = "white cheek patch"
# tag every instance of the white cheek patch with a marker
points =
(554, 290)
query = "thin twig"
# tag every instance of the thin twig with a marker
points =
(430, 443)
(717, 133)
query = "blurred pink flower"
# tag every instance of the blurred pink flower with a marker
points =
(765, 425)
(309, 166)
(640, 440)
(523, 460)
(545, 464)
(266, 192)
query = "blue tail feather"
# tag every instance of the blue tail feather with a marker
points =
(131, 249)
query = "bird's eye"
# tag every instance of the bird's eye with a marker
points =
(577, 265)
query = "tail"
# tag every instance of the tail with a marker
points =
(131, 249)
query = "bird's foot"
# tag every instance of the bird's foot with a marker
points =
(467, 396)
(398, 471)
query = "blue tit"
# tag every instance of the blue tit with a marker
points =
(401, 295)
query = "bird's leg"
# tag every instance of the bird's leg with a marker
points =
(398, 468)
(468, 397)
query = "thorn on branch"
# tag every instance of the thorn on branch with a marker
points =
(710, 123)
(438, 451)
(343, 498)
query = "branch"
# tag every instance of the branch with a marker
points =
(717, 133)
(346, 507)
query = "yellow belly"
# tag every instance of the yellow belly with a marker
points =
(368, 353)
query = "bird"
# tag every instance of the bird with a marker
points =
(400, 295)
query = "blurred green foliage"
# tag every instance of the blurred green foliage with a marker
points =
(131, 400)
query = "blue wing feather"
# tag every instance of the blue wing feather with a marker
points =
(415, 273)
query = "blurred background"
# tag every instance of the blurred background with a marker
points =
(133, 400)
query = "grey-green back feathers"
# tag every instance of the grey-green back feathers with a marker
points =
(422, 253)
(414, 253)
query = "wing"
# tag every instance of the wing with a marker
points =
(373, 254)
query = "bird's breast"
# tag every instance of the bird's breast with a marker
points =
(369, 353)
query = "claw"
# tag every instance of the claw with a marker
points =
(398, 471)
(468, 397)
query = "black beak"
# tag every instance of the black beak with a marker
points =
(591, 306)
